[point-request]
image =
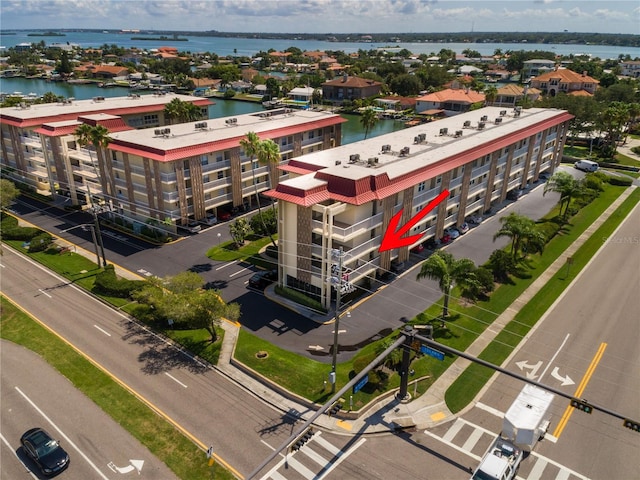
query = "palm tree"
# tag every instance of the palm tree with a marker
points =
(172, 110)
(567, 186)
(98, 137)
(491, 93)
(522, 231)
(269, 154)
(368, 120)
(444, 268)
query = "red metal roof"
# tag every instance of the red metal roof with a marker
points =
(378, 187)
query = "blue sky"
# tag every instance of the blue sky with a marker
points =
(326, 16)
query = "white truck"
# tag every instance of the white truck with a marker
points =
(524, 424)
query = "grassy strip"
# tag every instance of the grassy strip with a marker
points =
(228, 251)
(164, 441)
(469, 383)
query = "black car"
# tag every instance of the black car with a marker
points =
(515, 194)
(263, 279)
(45, 451)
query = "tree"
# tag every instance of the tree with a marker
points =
(501, 265)
(181, 111)
(447, 271)
(98, 137)
(406, 85)
(567, 186)
(251, 146)
(209, 309)
(8, 193)
(268, 154)
(368, 119)
(522, 231)
(491, 94)
(239, 231)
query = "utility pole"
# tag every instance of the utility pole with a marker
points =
(336, 325)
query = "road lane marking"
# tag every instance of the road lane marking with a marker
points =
(491, 410)
(226, 265)
(583, 384)
(15, 453)
(103, 331)
(44, 293)
(67, 439)
(175, 379)
(554, 357)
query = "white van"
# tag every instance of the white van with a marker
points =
(586, 165)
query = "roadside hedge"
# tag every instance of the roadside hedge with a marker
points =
(107, 283)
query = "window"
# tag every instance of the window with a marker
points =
(220, 175)
(421, 186)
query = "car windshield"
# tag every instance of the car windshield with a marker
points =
(44, 444)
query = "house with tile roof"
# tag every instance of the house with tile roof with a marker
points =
(345, 198)
(566, 81)
(349, 88)
(511, 95)
(451, 101)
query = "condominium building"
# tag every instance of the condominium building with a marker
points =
(39, 149)
(344, 198)
(192, 171)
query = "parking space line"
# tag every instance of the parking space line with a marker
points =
(175, 379)
(15, 453)
(239, 272)
(103, 331)
(226, 265)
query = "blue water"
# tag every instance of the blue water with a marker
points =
(251, 46)
(352, 131)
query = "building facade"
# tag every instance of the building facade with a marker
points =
(344, 198)
(196, 170)
(37, 144)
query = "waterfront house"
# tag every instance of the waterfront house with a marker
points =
(451, 101)
(564, 80)
(350, 88)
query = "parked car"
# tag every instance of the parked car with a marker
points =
(191, 227)
(263, 279)
(464, 228)
(446, 238)
(396, 265)
(418, 248)
(211, 220)
(515, 194)
(50, 457)
(224, 216)
(544, 176)
(431, 244)
(452, 232)
(475, 219)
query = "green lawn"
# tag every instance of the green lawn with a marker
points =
(164, 440)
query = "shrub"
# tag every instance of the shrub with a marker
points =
(229, 93)
(636, 150)
(11, 230)
(501, 265)
(549, 229)
(268, 219)
(40, 242)
(107, 283)
(620, 181)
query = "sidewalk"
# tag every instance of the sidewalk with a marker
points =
(428, 410)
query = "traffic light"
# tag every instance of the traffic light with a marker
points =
(302, 439)
(635, 426)
(581, 405)
(335, 408)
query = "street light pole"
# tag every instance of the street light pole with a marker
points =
(96, 222)
(93, 236)
(336, 324)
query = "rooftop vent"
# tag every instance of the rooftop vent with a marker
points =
(444, 131)
(484, 118)
(353, 158)
(467, 124)
(503, 113)
(372, 161)
(458, 133)
(481, 125)
(423, 137)
(386, 148)
(200, 125)
(338, 162)
(157, 131)
(498, 120)
(166, 131)
(404, 151)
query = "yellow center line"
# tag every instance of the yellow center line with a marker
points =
(583, 384)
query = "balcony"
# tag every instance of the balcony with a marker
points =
(344, 232)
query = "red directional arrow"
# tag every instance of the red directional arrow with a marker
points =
(393, 236)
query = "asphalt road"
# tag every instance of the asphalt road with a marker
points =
(33, 394)
(586, 346)
(214, 410)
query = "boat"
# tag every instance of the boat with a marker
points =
(271, 104)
